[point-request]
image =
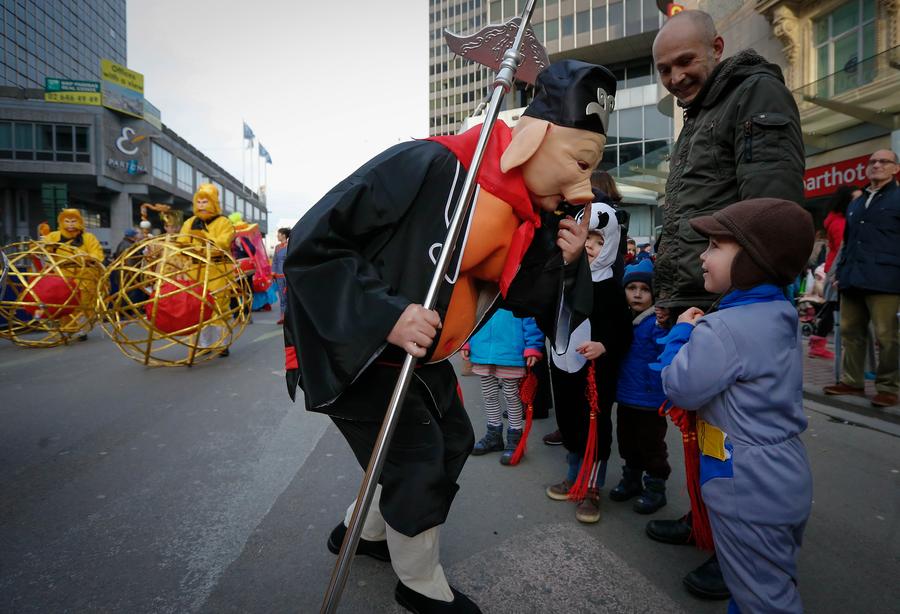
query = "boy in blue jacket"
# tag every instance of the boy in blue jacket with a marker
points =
(640, 430)
(740, 367)
(499, 353)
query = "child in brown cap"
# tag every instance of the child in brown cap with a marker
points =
(740, 368)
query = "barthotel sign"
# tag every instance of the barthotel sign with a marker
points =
(824, 180)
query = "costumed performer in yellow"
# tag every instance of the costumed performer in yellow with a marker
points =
(71, 239)
(208, 223)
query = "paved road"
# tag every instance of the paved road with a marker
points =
(127, 489)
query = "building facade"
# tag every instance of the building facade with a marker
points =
(615, 33)
(59, 38)
(106, 164)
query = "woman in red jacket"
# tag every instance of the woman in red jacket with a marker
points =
(835, 222)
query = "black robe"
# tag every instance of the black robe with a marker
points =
(368, 249)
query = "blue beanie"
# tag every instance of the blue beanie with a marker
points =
(131, 232)
(641, 271)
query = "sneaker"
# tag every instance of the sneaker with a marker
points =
(553, 439)
(588, 511)
(560, 492)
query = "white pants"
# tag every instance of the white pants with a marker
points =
(416, 560)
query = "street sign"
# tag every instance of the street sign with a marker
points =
(72, 91)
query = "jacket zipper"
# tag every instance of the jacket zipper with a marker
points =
(748, 140)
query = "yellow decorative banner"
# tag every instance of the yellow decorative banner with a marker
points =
(118, 74)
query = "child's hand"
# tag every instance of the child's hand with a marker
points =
(531, 361)
(691, 316)
(591, 349)
(465, 353)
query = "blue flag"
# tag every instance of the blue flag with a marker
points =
(264, 154)
(248, 132)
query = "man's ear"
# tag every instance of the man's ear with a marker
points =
(526, 140)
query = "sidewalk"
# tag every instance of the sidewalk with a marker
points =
(819, 372)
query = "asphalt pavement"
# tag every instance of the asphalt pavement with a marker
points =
(133, 489)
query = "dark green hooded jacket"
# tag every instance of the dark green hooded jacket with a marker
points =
(741, 139)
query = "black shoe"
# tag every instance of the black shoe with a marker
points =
(629, 486)
(420, 604)
(678, 532)
(376, 550)
(706, 581)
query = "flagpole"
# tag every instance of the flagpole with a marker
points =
(243, 154)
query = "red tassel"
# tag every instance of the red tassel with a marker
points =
(686, 421)
(587, 476)
(527, 391)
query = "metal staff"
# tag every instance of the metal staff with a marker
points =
(502, 84)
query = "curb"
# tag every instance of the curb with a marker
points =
(856, 410)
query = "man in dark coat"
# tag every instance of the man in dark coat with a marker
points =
(868, 277)
(362, 257)
(741, 139)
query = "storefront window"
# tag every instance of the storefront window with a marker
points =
(6, 145)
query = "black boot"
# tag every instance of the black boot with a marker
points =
(706, 581)
(513, 437)
(678, 532)
(491, 442)
(653, 497)
(420, 604)
(376, 550)
(629, 486)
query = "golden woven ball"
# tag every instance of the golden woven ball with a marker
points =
(50, 293)
(178, 300)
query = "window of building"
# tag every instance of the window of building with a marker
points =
(201, 178)
(842, 39)
(44, 142)
(220, 191)
(583, 22)
(616, 19)
(568, 25)
(227, 201)
(232, 200)
(552, 30)
(184, 175)
(161, 159)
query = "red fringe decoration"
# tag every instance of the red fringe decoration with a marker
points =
(587, 476)
(527, 391)
(686, 421)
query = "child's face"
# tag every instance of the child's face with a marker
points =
(593, 245)
(662, 316)
(638, 295)
(281, 237)
(716, 262)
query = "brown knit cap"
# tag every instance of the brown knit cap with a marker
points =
(776, 237)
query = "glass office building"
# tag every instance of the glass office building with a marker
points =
(59, 38)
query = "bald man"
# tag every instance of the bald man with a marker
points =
(741, 139)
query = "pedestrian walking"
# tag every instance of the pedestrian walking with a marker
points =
(278, 269)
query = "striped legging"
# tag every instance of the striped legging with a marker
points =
(490, 385)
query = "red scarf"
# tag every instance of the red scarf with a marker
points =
(508, 187)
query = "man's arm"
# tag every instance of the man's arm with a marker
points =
(336, 298)
(768, 142)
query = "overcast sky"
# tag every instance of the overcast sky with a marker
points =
(324, 85)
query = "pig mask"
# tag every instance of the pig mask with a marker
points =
(559, 139)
